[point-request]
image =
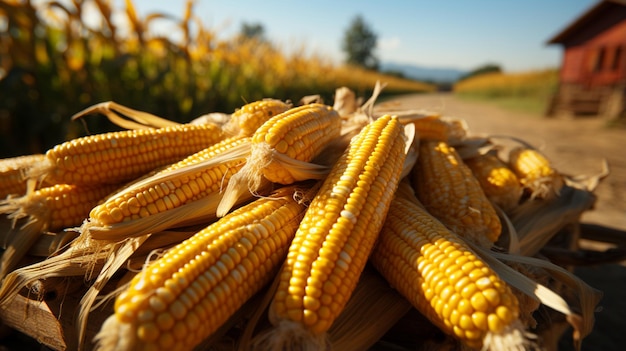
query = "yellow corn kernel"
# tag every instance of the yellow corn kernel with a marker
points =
(451, 193)
(337, 233)
(443, 278)
(497, 180)
(12, 173)
(246, 120)
(167, 192)
(198, 284)
(117, 157)
(535, 172)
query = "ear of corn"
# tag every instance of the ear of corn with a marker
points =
(451, 193)
(431, 127)
(182, 194)
(184, 296)
(443, 278)
(246, 120)
(300, 133)
(56, 207)
(281, 146)
(535, 172)
(48, 209)
(13, 173)
(117, 157)
(497, 180)
(335, 237)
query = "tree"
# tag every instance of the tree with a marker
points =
(359, 42)
(253, 31)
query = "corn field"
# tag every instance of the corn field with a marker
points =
(53, 64)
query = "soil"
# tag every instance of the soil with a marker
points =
(575, 146)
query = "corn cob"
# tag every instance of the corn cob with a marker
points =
(117, 157)
(451, 193)
(246, 120)
(445, 280)
(497, 180)
(433, 126)
(56, 207)
(300, 133)
(48, 209)
(180, 193)
(293, 137)
(335, 237)
(12, 173)
(535, 172)
(184, 296)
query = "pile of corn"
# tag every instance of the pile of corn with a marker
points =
(282, 227)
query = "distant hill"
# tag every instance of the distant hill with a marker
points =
(434, 74)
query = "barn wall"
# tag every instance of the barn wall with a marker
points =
(593, 68)
(612, 68)
(571, 68)
(591, 57)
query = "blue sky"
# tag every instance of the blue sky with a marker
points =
(445, 33)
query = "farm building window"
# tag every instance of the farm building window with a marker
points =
(597, 67)
(617, 58)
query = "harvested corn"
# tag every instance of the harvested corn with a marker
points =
(172, 197)
(47, 209)
(497, 180)
(116, 157)
(451, 193)
(445, 280)
(281, 149)
(334, 240)
(246, 120)
(535, 172)
(193, 293)
(13, 173)
(184, 296)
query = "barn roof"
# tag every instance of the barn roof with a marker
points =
(581, 22)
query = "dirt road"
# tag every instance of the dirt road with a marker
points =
(575, 147)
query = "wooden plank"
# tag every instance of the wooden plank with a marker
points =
(35, 319)
(52, 322)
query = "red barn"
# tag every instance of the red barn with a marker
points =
(593, 69)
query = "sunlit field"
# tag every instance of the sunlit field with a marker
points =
(53, 64)
(525, 91)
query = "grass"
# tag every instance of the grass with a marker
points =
(529, 105)
(528, 92)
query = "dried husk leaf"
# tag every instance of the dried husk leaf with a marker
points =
(581, 319)
(116, 113)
